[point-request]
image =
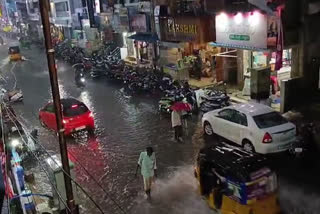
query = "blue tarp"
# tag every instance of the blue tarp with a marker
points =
(145, 37)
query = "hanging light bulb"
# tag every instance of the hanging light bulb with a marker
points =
(254, 18)
(238, 18)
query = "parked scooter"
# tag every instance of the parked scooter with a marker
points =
(13, 96)
(212, 100)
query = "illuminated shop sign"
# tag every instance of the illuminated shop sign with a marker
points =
(242, 30)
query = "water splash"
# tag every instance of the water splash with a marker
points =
(176, 194)
(298, 201)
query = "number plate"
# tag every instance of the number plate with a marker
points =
(80, 128)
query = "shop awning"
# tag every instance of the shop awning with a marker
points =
(145, 37)
(222, 45)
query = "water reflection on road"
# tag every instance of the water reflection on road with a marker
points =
(125, 127)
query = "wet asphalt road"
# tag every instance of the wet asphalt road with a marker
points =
(125, 126)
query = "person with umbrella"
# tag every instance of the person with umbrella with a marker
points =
(177, 109)
(176, 124)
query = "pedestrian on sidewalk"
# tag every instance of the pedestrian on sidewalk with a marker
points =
(176, 125)
(148, 165)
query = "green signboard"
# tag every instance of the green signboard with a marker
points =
(239, 37)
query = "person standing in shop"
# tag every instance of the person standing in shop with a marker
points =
(198, 66)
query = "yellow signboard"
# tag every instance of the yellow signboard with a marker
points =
(182, 28)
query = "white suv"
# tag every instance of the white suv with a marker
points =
(256, 127)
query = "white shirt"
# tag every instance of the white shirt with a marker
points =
(175, 119)
(148, 164)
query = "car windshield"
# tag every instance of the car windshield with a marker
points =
(269, 120)
(75, 110)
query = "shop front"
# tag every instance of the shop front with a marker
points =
(105, 20)
(140, 42)
(256, 41)
(120, 25)
(184, 45)
(245, 36)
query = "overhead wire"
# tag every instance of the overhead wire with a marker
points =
(90, 175)
(83, 167)
(75, 182)
(42, 167)
(6, 167)
(6, 170)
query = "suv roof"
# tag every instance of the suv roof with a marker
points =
(232, 161)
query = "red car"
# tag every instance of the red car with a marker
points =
(76, 116)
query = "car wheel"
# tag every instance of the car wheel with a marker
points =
(207, 128)
(247, 146)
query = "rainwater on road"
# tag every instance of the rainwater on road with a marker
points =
(125, 127)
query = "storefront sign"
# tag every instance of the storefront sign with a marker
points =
(273, 22)
(186, 29)
(247, 30)
(279, 53)
(181, 28)
(138, 23)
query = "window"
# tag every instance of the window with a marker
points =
(62, 9)
(240, 118)
(226, 114)
(49, 108)
(269, 120)
(62, 6)
(75, 110)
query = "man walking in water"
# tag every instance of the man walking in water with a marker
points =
(147, 163)
(176, 125)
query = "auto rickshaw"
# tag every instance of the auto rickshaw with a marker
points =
(234, 181)
(14, 53)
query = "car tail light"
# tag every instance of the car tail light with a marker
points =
(267, 138)
(91, 114)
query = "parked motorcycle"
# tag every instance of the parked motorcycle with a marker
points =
(80, 79)
(13, 96)
(213, 99)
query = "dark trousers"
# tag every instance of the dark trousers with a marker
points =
(177, 132)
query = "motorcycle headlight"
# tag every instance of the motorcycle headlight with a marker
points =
(82, 80)
(15, 143)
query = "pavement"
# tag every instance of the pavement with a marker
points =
(125, 127)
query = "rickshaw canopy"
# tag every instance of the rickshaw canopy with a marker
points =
(246, 174)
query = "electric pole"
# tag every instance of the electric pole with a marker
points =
(44, 10)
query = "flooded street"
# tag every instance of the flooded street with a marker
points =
(125, 126)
